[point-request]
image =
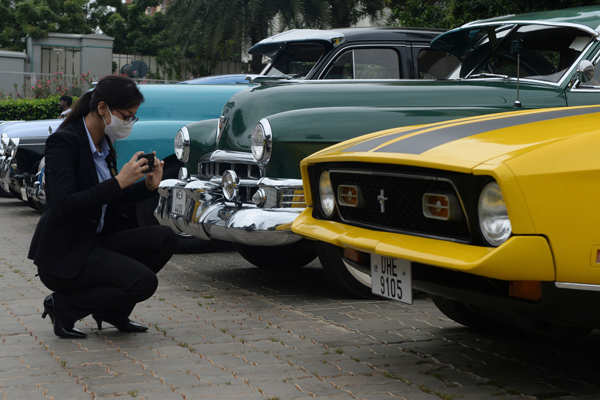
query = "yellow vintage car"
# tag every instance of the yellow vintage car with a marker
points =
(497, 217)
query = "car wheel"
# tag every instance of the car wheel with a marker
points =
(291, 256)
(354, 279)
(462, 313)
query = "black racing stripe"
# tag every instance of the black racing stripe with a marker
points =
(372, 143)
(428, 140)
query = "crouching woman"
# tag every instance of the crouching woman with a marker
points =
(86, 249)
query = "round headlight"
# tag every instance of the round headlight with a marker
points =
(230, 182)
(182, 145)
(326, 194)
(493, 217)
(261, 142)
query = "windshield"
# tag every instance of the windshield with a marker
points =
(296, 59)
(545, 52)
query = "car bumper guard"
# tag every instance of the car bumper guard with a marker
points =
(207, 215)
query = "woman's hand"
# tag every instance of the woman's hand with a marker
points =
(153, 178)
(133, 171)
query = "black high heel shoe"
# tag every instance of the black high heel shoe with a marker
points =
(60, 329)
(123, 326)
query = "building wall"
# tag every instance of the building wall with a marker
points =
(71, 54)
(12, 65)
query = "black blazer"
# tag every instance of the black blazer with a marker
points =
(66, 232)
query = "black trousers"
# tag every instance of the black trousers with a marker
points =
(119, 272)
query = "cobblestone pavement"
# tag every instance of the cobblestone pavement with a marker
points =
(220, 329)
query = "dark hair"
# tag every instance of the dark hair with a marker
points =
(66, 99)
(118, 92)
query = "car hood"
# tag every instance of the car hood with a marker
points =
(30, 128)
(463, 144)
(244, 110)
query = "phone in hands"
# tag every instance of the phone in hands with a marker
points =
(150, 158)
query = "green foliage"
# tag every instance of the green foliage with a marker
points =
(135, 32)
(192, 36)
(35, 18)
(201, 32)
(452, 13)
(30, 109)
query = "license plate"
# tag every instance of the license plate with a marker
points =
(391, 278)
(178, 204)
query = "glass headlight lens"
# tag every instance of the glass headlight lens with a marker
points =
(230, 183)
(182, 145)
(326, 194)
(261, 142)
(493, 217)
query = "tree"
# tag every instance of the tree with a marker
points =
(209, 30)
(451, 13)
(134, 31)
(36, 18)
(345, 13)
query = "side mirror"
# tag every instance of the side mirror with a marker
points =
(585, 71)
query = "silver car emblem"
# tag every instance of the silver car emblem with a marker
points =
(381, 199)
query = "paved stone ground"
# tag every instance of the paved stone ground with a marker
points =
(221, 329)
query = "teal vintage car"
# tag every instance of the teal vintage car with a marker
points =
(247, 190)
(166, 109)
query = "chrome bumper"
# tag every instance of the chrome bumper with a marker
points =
(34, 189)
(5, 173)
(207, 215)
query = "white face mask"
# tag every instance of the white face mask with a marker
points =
(117, 129)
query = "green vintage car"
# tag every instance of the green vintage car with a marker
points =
(243, 185)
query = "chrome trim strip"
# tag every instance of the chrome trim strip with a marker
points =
(280, 183)
(224, 156)
(410, 176)
(577, 286)
(219, 131)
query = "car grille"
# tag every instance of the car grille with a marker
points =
(209, 169)
(402, 208)
(293, 198)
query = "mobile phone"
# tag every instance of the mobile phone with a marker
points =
(150, 158)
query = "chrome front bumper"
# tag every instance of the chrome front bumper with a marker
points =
(6, 173)
(34, 189)
(207, 215)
